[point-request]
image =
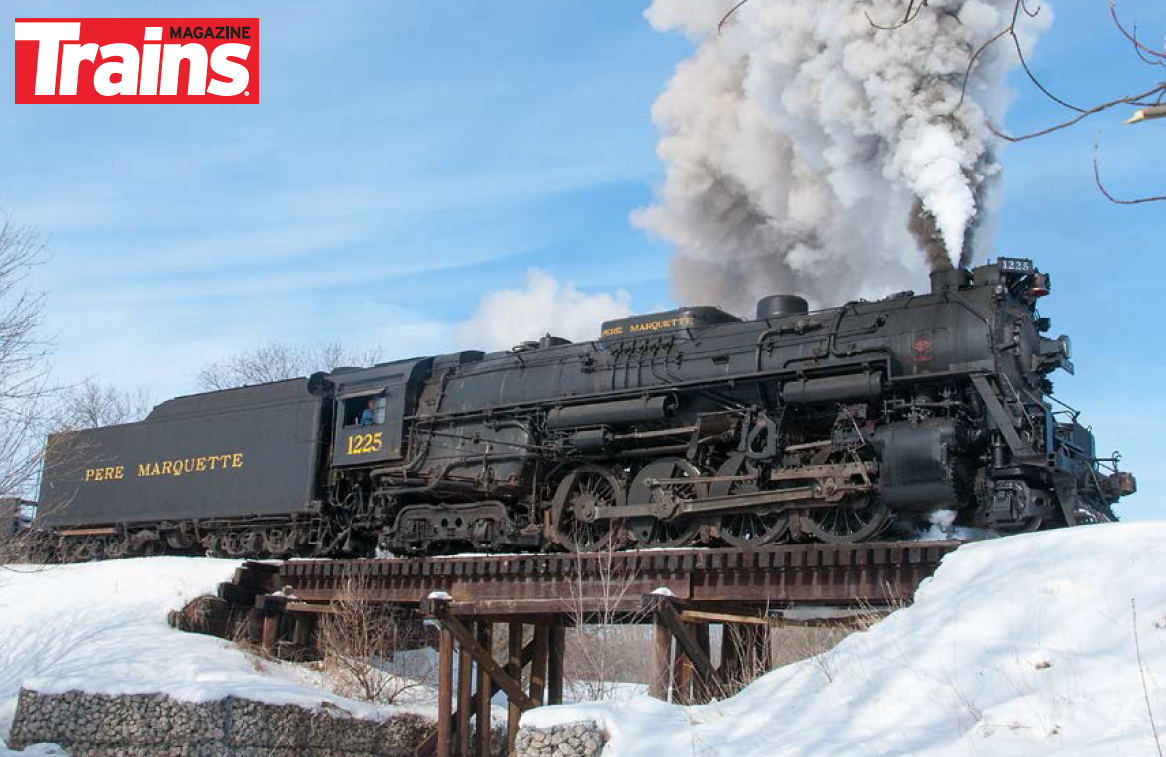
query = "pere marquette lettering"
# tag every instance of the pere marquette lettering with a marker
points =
(168, 467)
(669, 323)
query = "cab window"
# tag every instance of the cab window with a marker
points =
(365, 410)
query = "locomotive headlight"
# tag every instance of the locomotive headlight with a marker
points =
(1066, 345)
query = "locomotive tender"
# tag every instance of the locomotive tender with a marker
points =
(685, 427)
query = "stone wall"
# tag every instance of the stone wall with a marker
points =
(583, 739)
(154, 725)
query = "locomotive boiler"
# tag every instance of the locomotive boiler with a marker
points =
(679, 428)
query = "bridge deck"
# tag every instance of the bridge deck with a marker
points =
(877, 573)
(470, 596)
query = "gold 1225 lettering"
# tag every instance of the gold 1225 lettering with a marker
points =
(360, 444)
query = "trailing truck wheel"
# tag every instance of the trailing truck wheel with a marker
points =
(572, 510)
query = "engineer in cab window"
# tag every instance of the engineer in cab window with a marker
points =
(368, 416)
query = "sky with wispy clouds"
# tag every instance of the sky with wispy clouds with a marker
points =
(408, 161)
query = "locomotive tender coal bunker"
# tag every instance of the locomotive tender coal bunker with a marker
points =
(686, 427)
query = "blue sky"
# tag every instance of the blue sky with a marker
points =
(407, 158)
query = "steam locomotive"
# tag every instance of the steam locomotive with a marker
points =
(684, 427)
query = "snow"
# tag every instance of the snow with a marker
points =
(35, 750)
(663, 591)
(101, 628)
(943, 528)
(1017, 646)
(440, 596)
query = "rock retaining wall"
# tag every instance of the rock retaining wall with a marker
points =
(154, 725)
(584, 739)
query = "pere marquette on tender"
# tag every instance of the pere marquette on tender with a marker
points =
(685, 427)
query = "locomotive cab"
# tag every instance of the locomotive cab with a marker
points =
(371, 406)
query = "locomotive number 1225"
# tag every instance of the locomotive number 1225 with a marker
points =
(360, 444)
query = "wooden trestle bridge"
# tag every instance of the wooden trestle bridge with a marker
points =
(680, 592)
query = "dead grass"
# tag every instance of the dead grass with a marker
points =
(359, 642)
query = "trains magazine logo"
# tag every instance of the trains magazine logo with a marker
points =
(137, 60)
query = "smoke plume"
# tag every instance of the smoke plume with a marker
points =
(809, 151)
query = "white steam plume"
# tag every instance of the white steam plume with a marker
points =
(809, 151)
(505, 318)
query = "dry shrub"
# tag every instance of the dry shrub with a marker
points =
(604, 647)
(360, 640)
(210, 615)
(600, 657)
(794, 643)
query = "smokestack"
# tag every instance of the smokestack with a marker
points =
(949, 280)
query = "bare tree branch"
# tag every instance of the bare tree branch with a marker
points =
(1150, 98)
(603, 652)
(24, 385)
(725, 18)
(910, 15)
(1075, 120)
(1142, 50)
(94, 405)
(1106, 192)
(277, 361)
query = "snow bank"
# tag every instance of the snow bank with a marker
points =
(101, 628)
(1016, 646)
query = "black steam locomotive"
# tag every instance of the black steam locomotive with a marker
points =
(685, 427)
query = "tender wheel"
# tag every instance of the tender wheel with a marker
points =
(572, 510)
(114, 548)
(254, 543)
(747, 529)
(853, 520)
(678, 531)
(88, 550)
(217, 547)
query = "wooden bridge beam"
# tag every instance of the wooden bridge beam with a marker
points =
(663, 609)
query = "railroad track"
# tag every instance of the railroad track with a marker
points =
(874, 573)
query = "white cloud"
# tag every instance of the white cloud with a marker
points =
(545, 306)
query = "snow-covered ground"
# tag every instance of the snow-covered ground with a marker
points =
(1017, 646)
(101, 628)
